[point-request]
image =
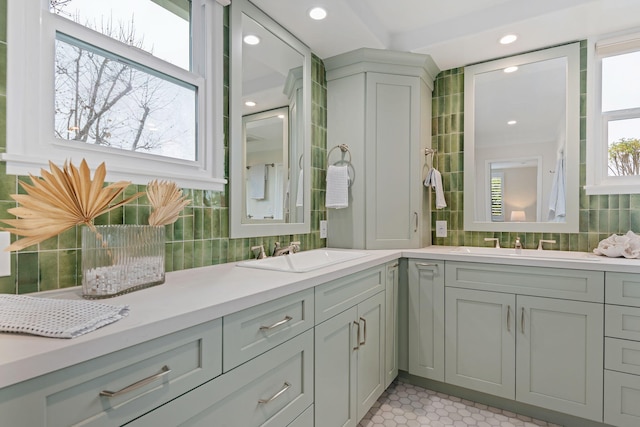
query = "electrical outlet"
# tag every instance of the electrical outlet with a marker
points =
(441, 228)
(323, 229)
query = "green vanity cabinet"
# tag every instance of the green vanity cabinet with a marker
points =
(173, 364)
(511, 332)
(349, 347)
(426, 318)
(622, 350)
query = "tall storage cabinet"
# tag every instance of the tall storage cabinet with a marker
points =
(379, 105)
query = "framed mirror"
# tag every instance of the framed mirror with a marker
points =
(521, 142)
(269, 127)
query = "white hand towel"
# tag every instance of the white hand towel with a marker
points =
(557, 201)
(434, 180)
(337, 196)
(300, 192)
(257, 181)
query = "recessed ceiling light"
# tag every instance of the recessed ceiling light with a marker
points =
(512, 122)
(250, 104)
(317, 13)
(510, 69)
(509, 38)
(251, 39)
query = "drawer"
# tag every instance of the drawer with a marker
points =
(622, 322)
(621, 399)
(251, 332)
(579, 285)
(271, 390)
(72, 396)
(338, 295)
(623, 289)
(622, 355)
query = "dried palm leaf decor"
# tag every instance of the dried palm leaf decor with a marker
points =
(115, 258)
(60, 200)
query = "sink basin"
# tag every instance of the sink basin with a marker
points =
(302, 262)
(527, 253)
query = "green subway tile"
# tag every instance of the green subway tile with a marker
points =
(68, 268)
(635, 221)
(178, 230)
(215, 224)
(48, 266)
(198, 224)
(168, 257)
(27, 272)
(49, 244)
(198, 253)
(3, 68)
(177, 254)
(3, 20)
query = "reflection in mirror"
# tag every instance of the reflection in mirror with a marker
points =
(269, 127)
(521, 130)
(266, 138)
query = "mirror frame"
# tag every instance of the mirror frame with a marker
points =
(572, 148)
(237, 228)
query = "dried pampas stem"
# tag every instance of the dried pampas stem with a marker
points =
(167, 202)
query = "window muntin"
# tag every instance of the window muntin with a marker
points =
(105, 100)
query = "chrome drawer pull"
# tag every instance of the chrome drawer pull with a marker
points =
(275, 396)
(425, 264)
(163, 371)
(522, 320)
(508, 318)
(275, 325)
(364, 331)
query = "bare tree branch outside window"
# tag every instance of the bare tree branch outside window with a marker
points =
(108, 101)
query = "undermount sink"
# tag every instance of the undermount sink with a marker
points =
(527, 253)
(302, 262)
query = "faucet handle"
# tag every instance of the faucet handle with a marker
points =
(260, 254)
(295, 247)
(544, 241)
(492, 239)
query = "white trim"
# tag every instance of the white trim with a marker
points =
(30, 119)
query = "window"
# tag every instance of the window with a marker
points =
(134, 83)
(613, 150)
(497, 196)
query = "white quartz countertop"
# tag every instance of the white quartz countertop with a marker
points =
(193, 296)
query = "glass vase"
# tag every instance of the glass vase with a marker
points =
(117, 259)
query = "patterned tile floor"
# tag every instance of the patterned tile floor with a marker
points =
(405, 405)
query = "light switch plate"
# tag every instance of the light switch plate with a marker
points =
(323, 229)
(5, 257)
(441, 228)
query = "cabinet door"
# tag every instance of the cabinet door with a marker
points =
(480, 341)
(371, 372)
(335, 376)
(560, 355)
(391, 324)
(426, 319)
(393, 173)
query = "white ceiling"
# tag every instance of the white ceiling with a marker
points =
(454, 32)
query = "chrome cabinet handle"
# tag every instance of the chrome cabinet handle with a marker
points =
(508, 318)
(357, 336)
(364, 331)
(275, 325)
(426, 264)
(522, 320)
(163, 371)
(395, 265)
(415, 230)
(284, 388)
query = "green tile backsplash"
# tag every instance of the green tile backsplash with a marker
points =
(200, 238)
(600, 215)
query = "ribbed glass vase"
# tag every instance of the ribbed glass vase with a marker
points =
(121, 258)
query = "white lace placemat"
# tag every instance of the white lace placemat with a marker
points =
(56, 318)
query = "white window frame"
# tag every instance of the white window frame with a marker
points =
(31, 143)
(598, 180)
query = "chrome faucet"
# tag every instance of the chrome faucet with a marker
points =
(544, 241)
(261, 254)
(518, 243)
(291, 249)
(491, 239)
